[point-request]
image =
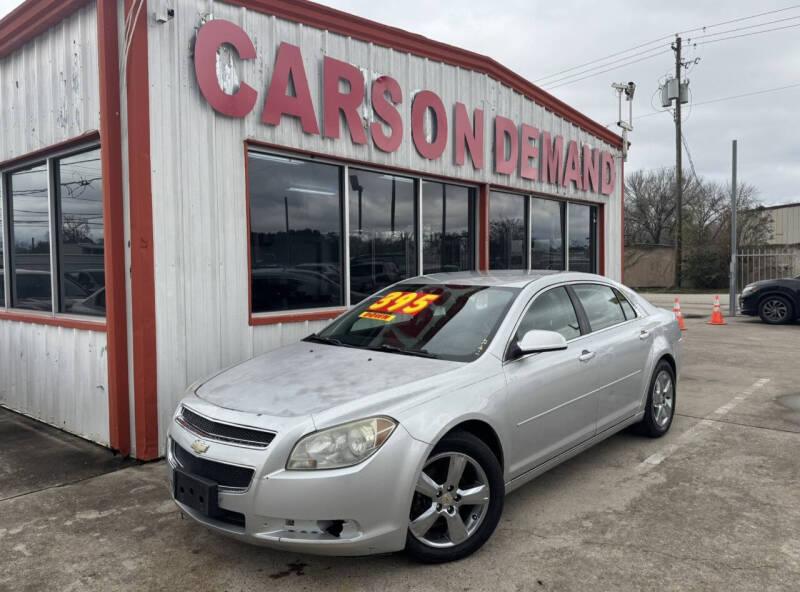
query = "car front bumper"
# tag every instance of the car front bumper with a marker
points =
(357, 510)
(748, 305)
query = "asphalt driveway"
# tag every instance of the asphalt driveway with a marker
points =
(715, 505)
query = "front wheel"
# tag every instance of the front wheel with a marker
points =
(660, 408)
(457, 500)
(775, 310)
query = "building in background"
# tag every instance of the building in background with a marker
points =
(224, 177)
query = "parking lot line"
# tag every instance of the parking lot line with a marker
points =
(657, 458)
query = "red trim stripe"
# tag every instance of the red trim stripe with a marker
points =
(483, 228)
(143, 292)
(54, 321)
(323, 17)
(31, 19)
(114, 228)
(43, 153)
(298, 317)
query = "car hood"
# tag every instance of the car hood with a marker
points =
(308, 378)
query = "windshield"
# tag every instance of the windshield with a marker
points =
(450, 322)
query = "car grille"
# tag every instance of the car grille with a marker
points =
(224, 432)
(223, 474)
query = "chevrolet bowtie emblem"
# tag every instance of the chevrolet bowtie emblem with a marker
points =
(199, 446)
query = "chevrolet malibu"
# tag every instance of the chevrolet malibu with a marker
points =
(404, 423)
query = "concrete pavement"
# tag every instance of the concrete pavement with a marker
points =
(714, 505)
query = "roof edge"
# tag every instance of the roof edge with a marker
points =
(326, 18)
(32, 18)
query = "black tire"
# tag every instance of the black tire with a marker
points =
(653, 425)
(775, 310)
(473, 447)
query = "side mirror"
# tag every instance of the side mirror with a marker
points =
(541, 341)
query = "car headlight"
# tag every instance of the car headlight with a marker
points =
(341, 446)
(749, 289)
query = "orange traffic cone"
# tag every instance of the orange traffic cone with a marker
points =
(716, 314)
(677, 310)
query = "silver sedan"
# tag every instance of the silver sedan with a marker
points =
(404, 423)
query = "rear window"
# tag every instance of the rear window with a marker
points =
(601, 304)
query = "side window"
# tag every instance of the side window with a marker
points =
(551, 311)
(601, 304)
(630, 312)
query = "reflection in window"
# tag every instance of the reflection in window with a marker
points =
(552, 311)
(295, 234)
(602, 307)
(30, 252)
(507, 231)
(547, 236)
(448, 212)
(581, 237)
(383, 247)
(81, 245)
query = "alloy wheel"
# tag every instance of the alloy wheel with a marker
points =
(663, 398)
(775, 310)
(451, 499)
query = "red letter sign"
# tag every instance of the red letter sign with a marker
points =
(607, 173)
(572, 172)
(469, 136)
(552, 158)
(591, 169)
(348, 103)
(529, 153)
(289, 64)
(505, 127)
(388, 112)
(423, 101)
(209, 39)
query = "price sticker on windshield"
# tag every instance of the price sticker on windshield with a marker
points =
(409, 303)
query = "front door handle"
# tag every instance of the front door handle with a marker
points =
(586, 355)
(644, 334)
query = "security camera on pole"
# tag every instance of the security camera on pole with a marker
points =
(627, 126)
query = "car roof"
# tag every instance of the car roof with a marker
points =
(505, 278)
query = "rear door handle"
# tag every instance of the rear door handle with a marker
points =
(644, 334)
(586, 355)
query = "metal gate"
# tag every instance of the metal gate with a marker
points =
(766, 263)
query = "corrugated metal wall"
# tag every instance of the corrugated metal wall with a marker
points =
(49, 92)
(785, 225)
(199, 202)
(56, 375)
(49, 89)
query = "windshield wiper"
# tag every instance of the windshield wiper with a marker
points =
(320, 339)
(406, 352)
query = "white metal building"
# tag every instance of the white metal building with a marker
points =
(188, 183)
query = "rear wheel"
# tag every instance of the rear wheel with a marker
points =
(457, 501)
(660, 407)
(775, 310)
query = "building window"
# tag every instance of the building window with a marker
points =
(383, 245)
(448, 238)
(295, 234)
(55, 241)
(81, 244)
(29, 222)
(582, 224)
(547, 234)
(507, 231)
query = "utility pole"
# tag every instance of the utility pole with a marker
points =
(732, 303)
(678, 169)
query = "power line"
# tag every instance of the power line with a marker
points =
(557, 80)
(657, 40)
(788, 18)
(609, 69)
(747, 34)
(720, 99)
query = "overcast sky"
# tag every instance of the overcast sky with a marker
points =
(536, 38)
